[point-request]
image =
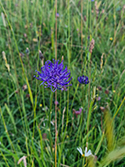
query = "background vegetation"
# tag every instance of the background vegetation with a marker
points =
(27, 110)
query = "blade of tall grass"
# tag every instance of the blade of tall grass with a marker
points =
(118, 108)
(114, 155)
(11, 117)
(109, 130)
(4, 159)
(41, 145)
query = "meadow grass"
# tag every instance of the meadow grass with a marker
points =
(32, 127)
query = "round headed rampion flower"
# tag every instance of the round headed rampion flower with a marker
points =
(83, 80)
(54, 76)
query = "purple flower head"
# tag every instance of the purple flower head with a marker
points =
(92, 0)
(54, 76)
(99, 98)
(83, 80)
(56, 102)
(57, 14)
(77, 112)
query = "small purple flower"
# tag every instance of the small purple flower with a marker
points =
(57, 14)
(99, 98)
(56, 102)
(92, 0)
(53, 76)
(83, 80)
(77, 112)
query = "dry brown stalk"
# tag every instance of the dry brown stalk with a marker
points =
(91, 46)
(96, 9)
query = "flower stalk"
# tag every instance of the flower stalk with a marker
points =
(56, 91)
(56, 132)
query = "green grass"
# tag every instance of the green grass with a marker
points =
(23, 122)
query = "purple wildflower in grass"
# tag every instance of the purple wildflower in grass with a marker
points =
(57, 14)
(54, 76)
(56, 102)
(83, 79)
(92, 0)
(99, 98)
(77, 112)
